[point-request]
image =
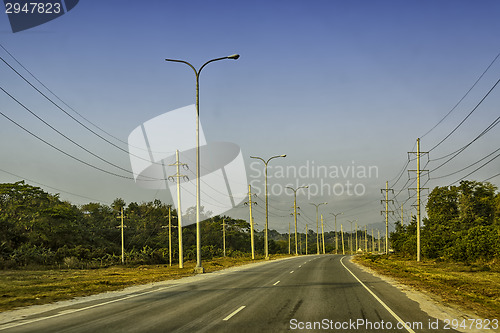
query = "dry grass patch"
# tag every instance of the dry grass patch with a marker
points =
(20, 288)
(474, 287)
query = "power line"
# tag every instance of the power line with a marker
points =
(453, 173)
(470, 113)
(498, 174)
(69, 115)
(62, 134)
(56, 96)
(486, 130)
(53, 188)
(62, 151)
(491, 160)
(463, 97)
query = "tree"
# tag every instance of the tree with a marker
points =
(457, 215)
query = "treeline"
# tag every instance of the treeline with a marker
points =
(38, 228)
(462, 224)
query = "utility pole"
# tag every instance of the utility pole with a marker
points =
(170, 235)
(300, 243)
(121, 217)
(249, 203)
(178, 175)
(169, 226)
(379, 241)
(387, 211)
(307, 231)
(295, 211)
(323, 234)
(373, 243)
(342, 234)
(401, 214)
(336, 236)
(317, 223)
(366, 241)
(266, 229)
(224, 236)
(356, 226)
(350, 236)
(418, 189)
(289, 244)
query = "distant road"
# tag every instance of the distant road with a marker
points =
(276, 296)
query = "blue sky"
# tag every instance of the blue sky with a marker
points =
(333, 83)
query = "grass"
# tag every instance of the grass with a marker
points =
(23, 287)
(473, 287)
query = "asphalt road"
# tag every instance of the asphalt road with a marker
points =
(306, 293)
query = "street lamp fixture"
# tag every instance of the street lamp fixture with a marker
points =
(199, 268)
(266, 244)
(336, 236)
(295, 212)
(317, 222)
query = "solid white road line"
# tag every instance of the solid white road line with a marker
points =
(378, 299)
(234, 312)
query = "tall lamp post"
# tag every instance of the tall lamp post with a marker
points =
(350, 236)
(336, 236)
(266, 244)
(295, 212)
(317, 222)
(199, 268)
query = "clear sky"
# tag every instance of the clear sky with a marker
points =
(332, 84)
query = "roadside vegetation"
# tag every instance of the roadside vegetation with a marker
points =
(460, 242)
(474, 286)
(39, 230)
(51, 249)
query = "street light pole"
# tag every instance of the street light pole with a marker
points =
(350, 236)
(295, 212)
(266, 244)
(317, 223)
(199, 268)
(336, 236)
